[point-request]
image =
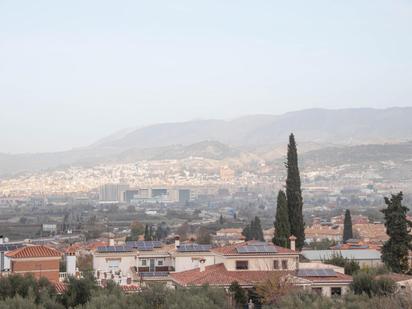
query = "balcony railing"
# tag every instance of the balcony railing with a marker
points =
(152, 274)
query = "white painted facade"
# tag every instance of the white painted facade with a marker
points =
(191, 260)
(71, 265)
(259, 262)
(115, 262)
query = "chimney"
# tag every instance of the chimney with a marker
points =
(202, 265)
(71, 261)
(111, 240)
(177, 242)
(292, 239)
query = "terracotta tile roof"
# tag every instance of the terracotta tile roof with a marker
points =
(396, 277)
(130, 288)
(60, 287)
(232, 249)
(94, 245)
(33, 251)
(218, 275)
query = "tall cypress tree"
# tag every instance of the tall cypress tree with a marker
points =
(282, 225)
(294, 194)
(395, 250)
(146, 233)
(258, 232)
(347, 227)
(247, 232)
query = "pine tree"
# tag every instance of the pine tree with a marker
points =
(282, 225)
(253, 231)
(294, 194)
(347, 227)
(221, 220)
(395, 250)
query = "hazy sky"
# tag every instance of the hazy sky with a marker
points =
(72, 72)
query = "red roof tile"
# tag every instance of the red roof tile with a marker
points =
(232, 249)
(130, 288)
(396, 277)
(60, 287)
(33, 251)
(94, 245)
(218, 275)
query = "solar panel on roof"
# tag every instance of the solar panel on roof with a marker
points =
(327, 272)
(193, 248)
(144, 244)
(9, 247)
(256, 249)
(114, 249)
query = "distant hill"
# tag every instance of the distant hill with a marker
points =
(206, 149)
(361, 154)
(265, 135)
(345, 126)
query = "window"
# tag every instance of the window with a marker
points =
(317, 291)
(160, 263)
(336, 291)
(113, 264)
(284, 264)
(242, 264)
(144, 262)
(275, 264)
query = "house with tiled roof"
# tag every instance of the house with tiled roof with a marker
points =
(256, 256)
(402, 281)
(365, 257)
(40, 261)
(114, 262)
(192, 264)
(327, 283)
(252, 263)
(186, 256)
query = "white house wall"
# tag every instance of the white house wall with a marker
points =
(258, 263)
(183, 263)
(125, 263)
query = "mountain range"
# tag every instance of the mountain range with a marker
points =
(262, 135)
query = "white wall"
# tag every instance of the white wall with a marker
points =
(258, 263)
(102, 262)
(167, 261)
(184, 262)
(71, 265)
(326, 290)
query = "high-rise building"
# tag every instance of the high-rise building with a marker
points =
(112, 193)
(184, 195)
(129, 195)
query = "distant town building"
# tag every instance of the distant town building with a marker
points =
(112, 193)
(226, 173)
(50, 228)
(130, 195)
(184, 195)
